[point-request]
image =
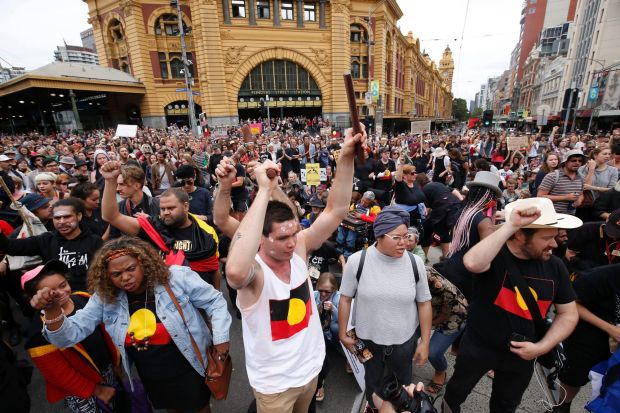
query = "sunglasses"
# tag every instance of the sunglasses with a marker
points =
(188, 181)
(325, 291)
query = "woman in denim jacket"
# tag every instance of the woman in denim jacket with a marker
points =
(129, 281)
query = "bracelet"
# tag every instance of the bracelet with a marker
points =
(54, 320)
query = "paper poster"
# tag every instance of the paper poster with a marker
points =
(126, 131)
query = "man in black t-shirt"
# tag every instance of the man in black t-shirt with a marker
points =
(501, 334)
(200, 199)
(595, 244)
(598, 292)
(178, 229)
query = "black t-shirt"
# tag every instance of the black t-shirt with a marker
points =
(95, 223)
(438, 195)
(454, 269)
(599, 291)
(240, 193)
(593, 246)
(162, 359)
(496, 310)
(320, 258)
(362, 171)
(200, 202)
(405, 195)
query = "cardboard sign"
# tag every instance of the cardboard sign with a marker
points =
(326, 131)
(126, 131)
(356, 365)
(515, 143)
(311, 174)
(421, 126)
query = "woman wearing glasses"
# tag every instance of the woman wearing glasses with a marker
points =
(390, 303)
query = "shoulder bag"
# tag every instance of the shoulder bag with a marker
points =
(219, 367)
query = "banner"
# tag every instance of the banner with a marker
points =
(420, 127)
(374, 90)
(256, 128)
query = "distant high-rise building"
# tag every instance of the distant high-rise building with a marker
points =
(472, 105)
(88, 39)
(8, 73)
(75, 54)
(594, 47)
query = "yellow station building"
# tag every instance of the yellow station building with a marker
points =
(294, 51)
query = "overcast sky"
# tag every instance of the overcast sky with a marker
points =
(30, 30)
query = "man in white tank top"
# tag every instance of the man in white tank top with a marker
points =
(267, 265)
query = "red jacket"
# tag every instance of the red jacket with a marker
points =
(67, 371)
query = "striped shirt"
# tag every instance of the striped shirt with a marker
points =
(558, 183)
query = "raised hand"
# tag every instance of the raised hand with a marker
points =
(111, 170)
(226, 173)
(522, 217)
(350, 141)
(45, 298)
(262, 177)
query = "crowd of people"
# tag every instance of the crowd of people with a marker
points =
(105, 237)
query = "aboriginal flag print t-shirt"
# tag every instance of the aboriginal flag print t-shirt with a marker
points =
(498, 309)
(161, 359)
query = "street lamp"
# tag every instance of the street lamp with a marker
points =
(186, 70)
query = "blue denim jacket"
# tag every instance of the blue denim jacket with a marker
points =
(332, 333)
(191, 291)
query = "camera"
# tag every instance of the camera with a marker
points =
(393, 392)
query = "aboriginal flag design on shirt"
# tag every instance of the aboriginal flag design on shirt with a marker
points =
(510, 299)
(289, 316)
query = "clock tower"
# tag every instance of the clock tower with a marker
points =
(446, 67)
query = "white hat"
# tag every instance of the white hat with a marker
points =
(4, 158)
(45, 176)
(548, 217)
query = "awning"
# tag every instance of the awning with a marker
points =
(608, 113)
(584, 113)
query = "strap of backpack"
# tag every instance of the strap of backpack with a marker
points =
(416, 274)
(360, 267)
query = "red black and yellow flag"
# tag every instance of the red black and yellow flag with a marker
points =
(290, 316)
(511, 300)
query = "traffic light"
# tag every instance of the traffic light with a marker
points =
(487, 118)
(369, 122)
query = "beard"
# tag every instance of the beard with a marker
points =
(174, 221)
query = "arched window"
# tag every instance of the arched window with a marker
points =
(116, 31)
(116, 43)
(171, 65)
(358, 34)
(168, 25)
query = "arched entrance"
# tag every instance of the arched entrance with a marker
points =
(291, 89)
(177, 113)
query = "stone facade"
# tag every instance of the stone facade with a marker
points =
(228, 39)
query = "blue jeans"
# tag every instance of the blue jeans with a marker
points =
(346, 241)
(438, 346)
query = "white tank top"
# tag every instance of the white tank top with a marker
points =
(282, 336)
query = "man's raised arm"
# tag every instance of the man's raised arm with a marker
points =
(226, 175)
(109, 208)
(339, 195)
(240, 265)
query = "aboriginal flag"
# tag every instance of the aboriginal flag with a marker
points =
(290, 316)
(510, 299)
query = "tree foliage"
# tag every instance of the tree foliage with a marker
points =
(477, 113)
(459, 109)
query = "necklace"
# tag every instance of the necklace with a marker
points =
(145, 342)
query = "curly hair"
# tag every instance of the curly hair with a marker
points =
(153, 266)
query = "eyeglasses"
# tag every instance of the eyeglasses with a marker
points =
(399, 238)
(188, 181)
(325, 292)
(63, 183)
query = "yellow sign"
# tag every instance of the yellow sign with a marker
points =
(313, 174)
